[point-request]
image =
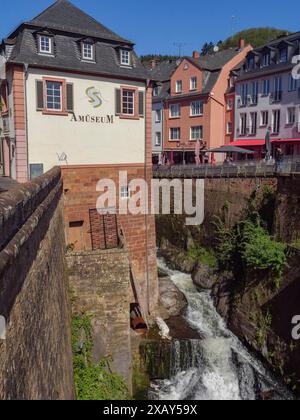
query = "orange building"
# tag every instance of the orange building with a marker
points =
(200, 103)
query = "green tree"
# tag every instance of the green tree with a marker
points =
(254, 36)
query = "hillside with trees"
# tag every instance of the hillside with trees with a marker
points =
(254, 36)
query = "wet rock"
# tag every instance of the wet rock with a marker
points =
(176, 258)
(171, 298)
(181, 329)
(161, 273)
(204, 277)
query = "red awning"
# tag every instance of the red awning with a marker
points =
(248, 143)
(285, 140)
(256, 143)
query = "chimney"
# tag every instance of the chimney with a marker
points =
(196, 55)
(242, 44)
(153, 64)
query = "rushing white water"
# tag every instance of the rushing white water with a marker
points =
(218, 367)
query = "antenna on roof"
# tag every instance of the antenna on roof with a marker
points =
(180, 46)
(233, 21)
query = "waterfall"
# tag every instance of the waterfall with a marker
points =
(217, 367)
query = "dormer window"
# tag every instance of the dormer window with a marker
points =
(266, 60)
(283, 55)
(251, 63)
(125, 58)
(45, 44)
(88, 51)
(155, 91)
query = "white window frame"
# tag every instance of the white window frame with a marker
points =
(177, 112)
(230, 104)
(178, 86)
(124, 192)
(158, 116)
(193, 83)
(125, 91)
(125, 61)
(243, 121)
(155, 91)
(266, 59)
(293, 83)
(253, 123)
(283, 59)
(89, 57)
(266, 87)
(276, 112)
(41, 49)
(289, 114)
(158, 136)
(193, 109)
(229, 130)
(178, 138)
(262, 115)
(53, 109)
(196, 137)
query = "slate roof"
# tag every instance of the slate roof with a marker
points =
(69, 25)
(292, 40)
(211, 65)
(164, 70)
(216, 61)
(65, 16)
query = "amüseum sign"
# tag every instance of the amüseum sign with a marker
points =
(93, 119)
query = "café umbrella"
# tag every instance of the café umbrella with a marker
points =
(197, 152)
(231, 149)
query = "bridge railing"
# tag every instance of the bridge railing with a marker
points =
(230, 170)
(215, 171)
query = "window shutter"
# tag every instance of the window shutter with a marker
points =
(118, 102)
(39, 95)
(141, 104)
(70, 97)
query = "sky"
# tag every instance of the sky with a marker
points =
(161, 26)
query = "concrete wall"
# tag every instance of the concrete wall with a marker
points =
(100, 285)
(36, 357)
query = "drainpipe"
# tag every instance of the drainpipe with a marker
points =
(148, 83)
(26, 66)
(211, 96)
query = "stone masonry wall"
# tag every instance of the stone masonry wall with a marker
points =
(80, 187)
(36, 357)
(100, 285)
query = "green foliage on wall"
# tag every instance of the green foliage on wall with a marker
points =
(93, 382)
(248, 245)
(203, 256)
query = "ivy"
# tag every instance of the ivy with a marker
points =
(93, 381)
(203, 255)
(248, 246)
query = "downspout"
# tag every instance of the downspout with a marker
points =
(148, 82)
(211, 96)
(26, 66)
